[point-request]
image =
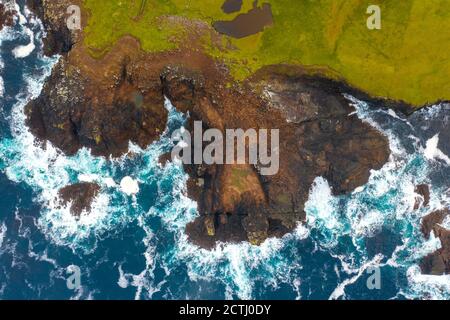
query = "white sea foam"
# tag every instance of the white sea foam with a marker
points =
(446, 223)
(25, 50)
(432, 152)
(339, 291)
(3, 230)
(47, 170)
(427, 286)
(22, 19)
(369, 224)
(321, 212)
(431, 245)
(143, 281)
(238, 266)
(123, 281)
(129, 186)
(232, 263)
(235, 263)
(396, 176)
(2, 87)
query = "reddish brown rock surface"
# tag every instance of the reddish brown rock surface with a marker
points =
(59, 39)
(423, 190)
(437, 263)
(80, 196)
(318, 137)
(104, 103)
(78, 109)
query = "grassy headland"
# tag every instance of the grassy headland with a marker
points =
(408, 59)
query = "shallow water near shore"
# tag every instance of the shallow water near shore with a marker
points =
(134, 246)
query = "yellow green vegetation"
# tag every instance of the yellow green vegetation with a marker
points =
(408, 59)
(239, 176)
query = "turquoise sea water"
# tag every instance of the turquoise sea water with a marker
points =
(134, 247)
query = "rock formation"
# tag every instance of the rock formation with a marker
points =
(80, 196)
(104, 103)
(423, 199)
(318, 137)
(437, 263)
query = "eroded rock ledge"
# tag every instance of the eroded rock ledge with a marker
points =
(79, 109)
(102, 104)
(80, 197)
(437, 263)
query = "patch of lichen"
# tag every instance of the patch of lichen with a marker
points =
(408, 59)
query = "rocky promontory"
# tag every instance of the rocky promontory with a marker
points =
(319, 136)
(104, 103)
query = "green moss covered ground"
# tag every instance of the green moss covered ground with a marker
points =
(408, 59)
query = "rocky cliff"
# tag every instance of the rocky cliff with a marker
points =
(104, 103)
(6, 16)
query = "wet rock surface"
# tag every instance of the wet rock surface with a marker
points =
(80, 196)
(59, 39)
(423, 199)
(437, 263)
(96, 103)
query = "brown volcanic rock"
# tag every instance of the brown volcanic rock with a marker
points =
(100, 104)
(436, 263)
(80, 196)
(6, 17)
(104, 103)
(430, 221)
(97, 104)
(318, 137)
(59, 39)
(423, 190)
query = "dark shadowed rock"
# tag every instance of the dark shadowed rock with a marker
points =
(433, 219)
(165, 158)
(102, 109)
(437, 263)
(423, 190)
(101, 103)
(80, 196)
(59, 39)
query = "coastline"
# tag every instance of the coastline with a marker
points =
(202, 88)
(138, 241)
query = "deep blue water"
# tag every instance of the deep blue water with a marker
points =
(134, 247)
